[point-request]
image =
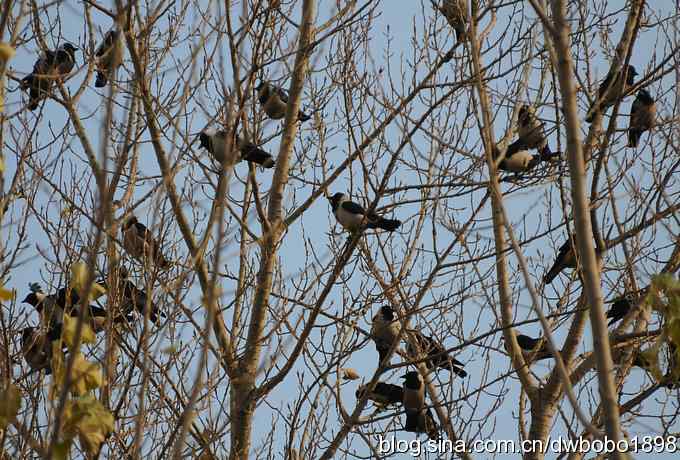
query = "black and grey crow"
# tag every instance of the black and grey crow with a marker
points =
(436, 353)
(351, 215)
(140, 243)
(53, 307)
(518, 159)
(531, 345)
(609, 92)
(385, 329)
(134, 298)
(383, 394)
(642, 117)
(565, 259)
(216, 146)
(51, 65)
(274, 100)
(455, 12)
(532, 132)
(621, 306)
(36, 347)
(109, 55)
(418, 417)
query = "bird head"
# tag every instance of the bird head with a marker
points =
(336, 199)
(34, 298)
(129, 222)
(645, 97)
(69, 48)
(412, 379)
(204, 138)
(632, 71)
(387, 312)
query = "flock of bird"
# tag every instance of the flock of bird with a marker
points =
(386, 330)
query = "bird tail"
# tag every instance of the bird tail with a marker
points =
(101, 80)
(257, 155)
(460, 372)
(303, 116)
(634, 138)
(548, 155)
(552, 274)
(412, 421)
(389, 225)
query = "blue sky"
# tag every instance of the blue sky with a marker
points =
(529, 209)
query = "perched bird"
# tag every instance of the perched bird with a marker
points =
(531, 132)
(215, 145)
(418, 418)
(65, 301)
(109, 55)
(435, 352)
(351, 215)
(609, 93)
(518, 159)
(52, 307)
(37, 347)
(621, 305)
(565, 259)
(274, 100)
(52, 64)
(140, 243)
(383, 394)
(642, 117)
(531, 346)
(385, 329)
(455, 12)
(134, 298)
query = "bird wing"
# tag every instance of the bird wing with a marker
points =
(281, 93)
(352, 207)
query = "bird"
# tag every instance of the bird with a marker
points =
(418, 418)
(383, 394)
(52, 64)
(53, 306)
(621, 305)
(351, 215)
(608, 92)
(518, 159)
(642, 117)
(36, 347)
(531, 346)
(134, 298)
(108, 56)
(385, 329)
(66, 301)
(565, 259)
(140, 243)
(274, 100)
(437, 357)
(531, 132)
(455, 12)
(215, 145)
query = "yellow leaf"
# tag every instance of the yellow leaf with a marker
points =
(6, 52)
(7, 294)
(2, 159)
(89, 420)
(169, 350)
(86, 376)
(10, 403)
(79, 275)
(68, 333)
(349, 374)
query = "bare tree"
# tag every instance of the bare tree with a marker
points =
(211, 208)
